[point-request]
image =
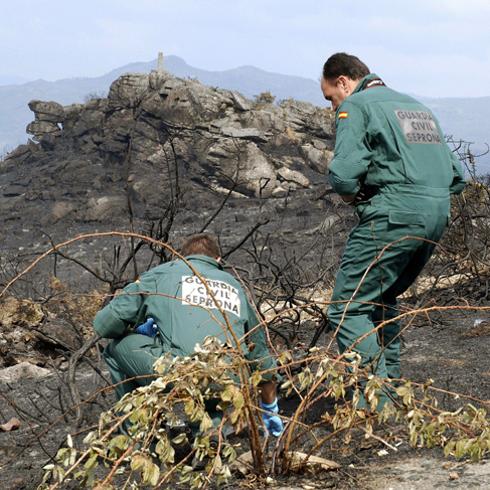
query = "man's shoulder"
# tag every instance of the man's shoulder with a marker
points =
(384, 99)
(167, 267)
(187, 268)
(181, 267)
(379, 95)
(227, 277)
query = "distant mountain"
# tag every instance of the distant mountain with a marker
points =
(11, 79)
(465, 118)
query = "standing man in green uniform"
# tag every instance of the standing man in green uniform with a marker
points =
(391, 162)
(169, 309)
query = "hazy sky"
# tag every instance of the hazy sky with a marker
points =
(427, 47)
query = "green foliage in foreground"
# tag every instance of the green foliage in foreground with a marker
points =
(146, 455)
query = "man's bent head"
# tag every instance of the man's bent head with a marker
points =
(201, 244)
(341, 74)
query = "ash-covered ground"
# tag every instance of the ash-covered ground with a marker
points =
(165, 158)
(443, 351)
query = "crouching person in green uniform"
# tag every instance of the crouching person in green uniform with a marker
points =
(169, 309)
(391, 162)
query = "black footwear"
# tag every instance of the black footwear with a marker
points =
(181, 439)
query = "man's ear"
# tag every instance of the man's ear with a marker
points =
(218, 259)
(343, 81)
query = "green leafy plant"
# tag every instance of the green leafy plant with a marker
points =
(133, 443)
(133, 436)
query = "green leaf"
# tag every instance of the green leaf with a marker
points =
(73, 457)
(284, 357)
(206, 423)
(151, 474)
(227, 393)
(180, 439)
(90, 438)
(229, 453)
(138, 462)
(256, 378)
(165, 451)
(119, 443)
(238, 400)
(91, 461)
(189, 407)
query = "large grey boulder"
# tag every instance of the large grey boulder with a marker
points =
(293, 177)
(316, 158)
(252, 134)
(128, 90)
(39, 128)
(47, 111)
(22, 371)
(240, 102)
(105, 206)
(152, 132)
(243, 167)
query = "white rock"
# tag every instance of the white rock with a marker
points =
(289, 175)
(244, 133)
(22, 371)
(98, 208)
(279, 191)
(61, 209)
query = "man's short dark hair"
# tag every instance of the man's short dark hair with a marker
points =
(344, 64)
(201, 244)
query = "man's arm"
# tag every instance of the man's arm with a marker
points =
(458, 183)
(352, 155)
(122, 312)
(268, 392)
(258, 352)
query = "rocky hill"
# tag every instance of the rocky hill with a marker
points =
(165, 157)
(248, 80)
(169, 156)
(461, 118)
(159, 142)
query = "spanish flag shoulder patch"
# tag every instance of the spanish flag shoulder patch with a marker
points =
(343, 115)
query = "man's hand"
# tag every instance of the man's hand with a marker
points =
(268, 403)
(272, 421)
(148, 328)
(364, 194)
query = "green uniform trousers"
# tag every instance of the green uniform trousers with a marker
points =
(359, 304)
(133, 356)
(129, 357)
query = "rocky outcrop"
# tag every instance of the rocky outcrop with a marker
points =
(239, 142)
(48, 117)
(95, 162)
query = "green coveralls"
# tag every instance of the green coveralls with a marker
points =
(185, 314)
(391, 146)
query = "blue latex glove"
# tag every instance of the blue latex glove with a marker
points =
(148, 328)
(272, 421)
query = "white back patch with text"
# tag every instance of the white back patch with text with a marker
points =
(194, 293)
(418, 127)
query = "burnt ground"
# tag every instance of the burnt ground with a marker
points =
(61, 191)
(450, 351)
(308, 226)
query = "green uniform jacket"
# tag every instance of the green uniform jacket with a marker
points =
(184, 310)
(386, 138)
